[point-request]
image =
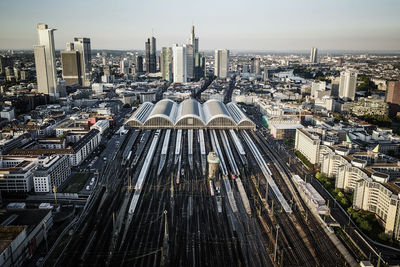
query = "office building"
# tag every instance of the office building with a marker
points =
(150, 47)
(314, 55)
(308, 145)
(82, 45)
(51, 171)
(265, 74)
(317, 86)
(124, 66)
(71, 67)
(166, 63)
(194, 41)
(199, 66)
(347, 84)
(393, 97)
(5, 62)
(16, 173)
(22, 233)
(189, 62)
(255, 65)
(45, 61)
(179, 64)
(221, 64)
(139, 64)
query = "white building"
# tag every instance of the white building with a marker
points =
(221, 65)
(179, 63)
(98, 88)
(308, 145)
(84, 147)
(7, 113)
(383, 199)
(347, 84)
(101, 125)
(16, 173)
(314, 55)
(45, 61)
(51, 171)
(317, 86)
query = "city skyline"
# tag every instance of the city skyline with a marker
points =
(258, 26)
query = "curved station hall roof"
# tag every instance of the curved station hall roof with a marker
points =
(190, 114)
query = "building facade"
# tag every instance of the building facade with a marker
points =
(347, 84)
(51, 171)
(179, 64)
(45, 61)
(221, 64)
(166, 63)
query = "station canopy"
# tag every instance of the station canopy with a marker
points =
(190, 114)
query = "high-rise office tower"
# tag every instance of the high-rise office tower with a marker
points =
(255, 65)
(150, 47)
(71, 67)
(45, 61)
(124, 66)
(82, 45)
(194, 41)
(166, 63)
(179, 63)
(393, 97)
(189, 61)
(347, 84)
(5, 62)
(221, 65)
(199, 66)
(314, 55)
(265, 76)
(139, 64)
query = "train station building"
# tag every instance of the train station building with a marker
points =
(190, 114)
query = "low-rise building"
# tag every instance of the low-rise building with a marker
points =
(51, 171)
(84, 147)
(22, 235)
(16, 173)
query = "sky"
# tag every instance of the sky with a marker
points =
(262, 25)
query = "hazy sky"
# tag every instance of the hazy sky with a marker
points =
(233, 24)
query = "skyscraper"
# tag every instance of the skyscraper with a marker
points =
(314, 55)
(221, 65)
(71, 67)
(179, 63)
(255, 65)
(347, 84)
(393, 97)
(194, 41)
(82, 45)
(45, 61)
(4, 62)
(199, 66)
(139, 64)
(189, 61)
(150, 47)
(166, 63)
(124, 66)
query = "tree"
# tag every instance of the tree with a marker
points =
(365, 225)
